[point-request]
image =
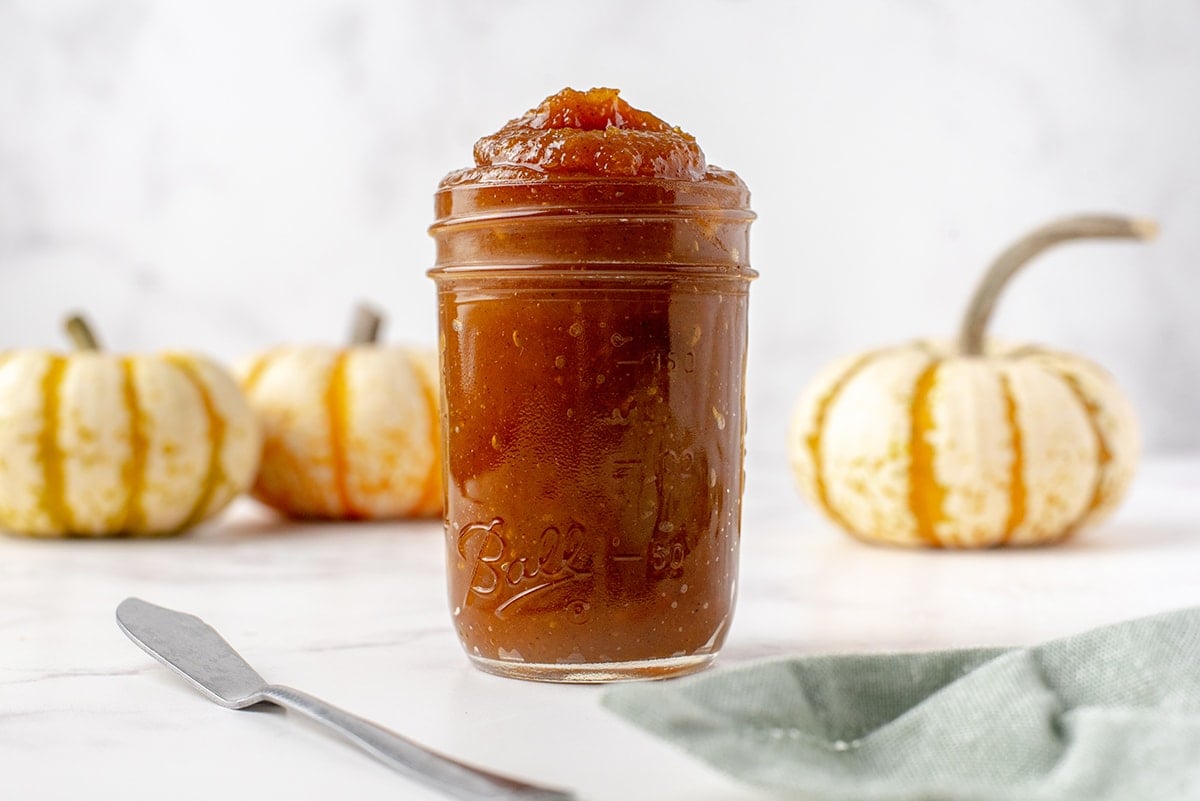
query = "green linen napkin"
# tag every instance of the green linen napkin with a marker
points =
(1110, 714)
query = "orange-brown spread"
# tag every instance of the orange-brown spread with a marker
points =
(590, 133)
(592, 275)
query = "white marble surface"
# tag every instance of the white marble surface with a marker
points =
(356, 614)
(225, 175)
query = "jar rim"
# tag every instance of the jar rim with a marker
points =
(722, 195)
(589, 274)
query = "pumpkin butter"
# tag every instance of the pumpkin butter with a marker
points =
(592, 276)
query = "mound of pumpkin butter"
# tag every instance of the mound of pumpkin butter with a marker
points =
(592, 133)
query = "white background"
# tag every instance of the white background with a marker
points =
(228, 175)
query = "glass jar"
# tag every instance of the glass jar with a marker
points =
(593, 350)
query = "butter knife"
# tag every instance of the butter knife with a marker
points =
(194, 650)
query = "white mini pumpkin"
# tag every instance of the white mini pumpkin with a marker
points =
(349, 433)
(969, 444)
(95, 444)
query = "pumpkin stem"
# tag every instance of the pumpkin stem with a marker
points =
(1021, 252)
(365, 329)
(81, 334)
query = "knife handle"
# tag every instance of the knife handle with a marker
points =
(447, 775)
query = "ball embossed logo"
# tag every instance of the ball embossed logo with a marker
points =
(506, 575)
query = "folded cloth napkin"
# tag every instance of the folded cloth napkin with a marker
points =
(1110, 714)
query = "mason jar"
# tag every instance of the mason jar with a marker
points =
(593, 353)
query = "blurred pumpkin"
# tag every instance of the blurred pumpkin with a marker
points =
(970, 444)
(348, 433)
(94, 444)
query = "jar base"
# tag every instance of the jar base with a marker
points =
(594, 673)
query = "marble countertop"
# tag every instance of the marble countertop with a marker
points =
(356, 615)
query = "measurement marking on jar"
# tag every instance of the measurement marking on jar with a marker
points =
(665, 360)
(626, 466)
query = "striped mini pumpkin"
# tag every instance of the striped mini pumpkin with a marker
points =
(348, 433)
(969, 444)
(917, 445)
(93, 444)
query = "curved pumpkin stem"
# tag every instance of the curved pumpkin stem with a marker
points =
(81, 334)
(1021, 252)
(366, 326)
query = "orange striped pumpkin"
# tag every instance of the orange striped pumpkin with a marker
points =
(348, 433)
(94, 444)
(969, 444)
